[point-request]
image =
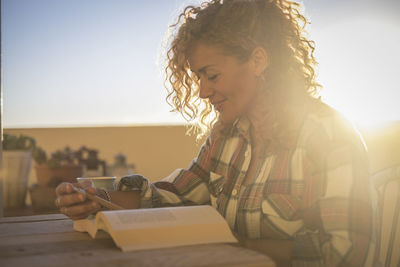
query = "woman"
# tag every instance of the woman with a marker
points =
(289, 175)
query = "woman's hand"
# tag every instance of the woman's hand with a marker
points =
(74, 204)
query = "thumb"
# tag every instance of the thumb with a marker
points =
(91, 190)
(85, 183)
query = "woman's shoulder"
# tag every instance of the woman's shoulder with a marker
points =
(323, 117)
(325, 126)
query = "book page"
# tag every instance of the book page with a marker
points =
(139, 239)
(160, 227)
(150, 216)
(86, 225)
(157, 217)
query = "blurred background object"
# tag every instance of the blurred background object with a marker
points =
(16, 167)
(120, 167)
(92, 165)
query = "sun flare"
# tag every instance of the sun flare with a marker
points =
(359, 69)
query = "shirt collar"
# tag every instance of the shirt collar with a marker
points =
(242, 125)
(283, 132)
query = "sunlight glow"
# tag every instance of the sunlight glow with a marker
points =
(359, 69)
(64, 64)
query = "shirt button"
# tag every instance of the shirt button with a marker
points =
(234, 192)
(220, 189)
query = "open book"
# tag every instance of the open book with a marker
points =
(159, 227)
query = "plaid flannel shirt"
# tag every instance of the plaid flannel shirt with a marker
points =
(313, 188)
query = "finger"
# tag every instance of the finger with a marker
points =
(84, 215)
(91, 190)
(85, 184)
(64, 188)
(81, 211)
(56, 202)
(70, 199)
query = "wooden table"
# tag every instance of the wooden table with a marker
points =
(49, 240)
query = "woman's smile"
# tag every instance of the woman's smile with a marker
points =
(218, 105)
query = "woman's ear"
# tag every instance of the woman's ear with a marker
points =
(259, 60)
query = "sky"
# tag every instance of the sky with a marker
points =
(68, 63)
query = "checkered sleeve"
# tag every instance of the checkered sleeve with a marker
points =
(181, 187)
(340, 194)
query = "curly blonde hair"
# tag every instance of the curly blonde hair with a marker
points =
(237, 27)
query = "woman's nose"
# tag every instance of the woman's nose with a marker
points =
(205, 90)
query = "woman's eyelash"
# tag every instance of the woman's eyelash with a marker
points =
(213, 77)
(210, 78)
